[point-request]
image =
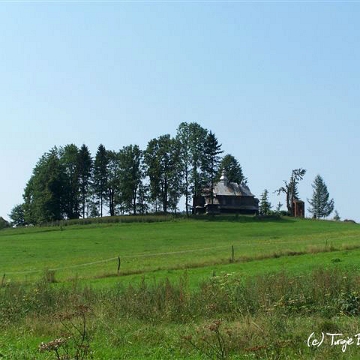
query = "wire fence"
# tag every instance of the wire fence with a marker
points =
(158, 254)
(141, 255)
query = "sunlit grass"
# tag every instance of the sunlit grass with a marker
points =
(92, 251)
(177, 279)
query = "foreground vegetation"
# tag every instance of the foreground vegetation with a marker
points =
(261, 317)
(181, 293)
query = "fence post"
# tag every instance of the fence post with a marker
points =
(119, 263)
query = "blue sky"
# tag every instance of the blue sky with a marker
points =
(277, 82)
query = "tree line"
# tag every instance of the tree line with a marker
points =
(68, 183)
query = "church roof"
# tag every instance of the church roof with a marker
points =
(227, 188)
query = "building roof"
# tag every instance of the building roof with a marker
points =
(227, 188)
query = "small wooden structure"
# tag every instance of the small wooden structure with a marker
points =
(228, 197)
(298, 208)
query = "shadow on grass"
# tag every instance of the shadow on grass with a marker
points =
(244, 218)
(148, 218)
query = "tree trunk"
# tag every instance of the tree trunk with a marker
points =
(165, 196)
(134, 203)
(186, 194)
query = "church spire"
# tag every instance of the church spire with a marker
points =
(223, 177)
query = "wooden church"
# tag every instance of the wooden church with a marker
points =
(228, 197)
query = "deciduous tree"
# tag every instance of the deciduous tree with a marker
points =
(131, 175)
(162, 167)
(44, 194)
(113, 180)
(290, 189)
(69, 157)
(17, 215)
(191, 138)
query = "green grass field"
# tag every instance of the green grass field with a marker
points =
(180, 288)
(91, 251)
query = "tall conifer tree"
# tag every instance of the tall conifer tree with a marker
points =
(265, 205)
(85, 164)
(321, 205)
(100, 177)
(211, 162)
(232, 169)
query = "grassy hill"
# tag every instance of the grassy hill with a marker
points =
(256, 288)
(92, 251)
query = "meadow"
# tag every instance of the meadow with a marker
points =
(231, 287)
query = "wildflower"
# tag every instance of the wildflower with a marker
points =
(52, 345)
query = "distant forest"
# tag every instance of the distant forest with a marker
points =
(69, 183)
